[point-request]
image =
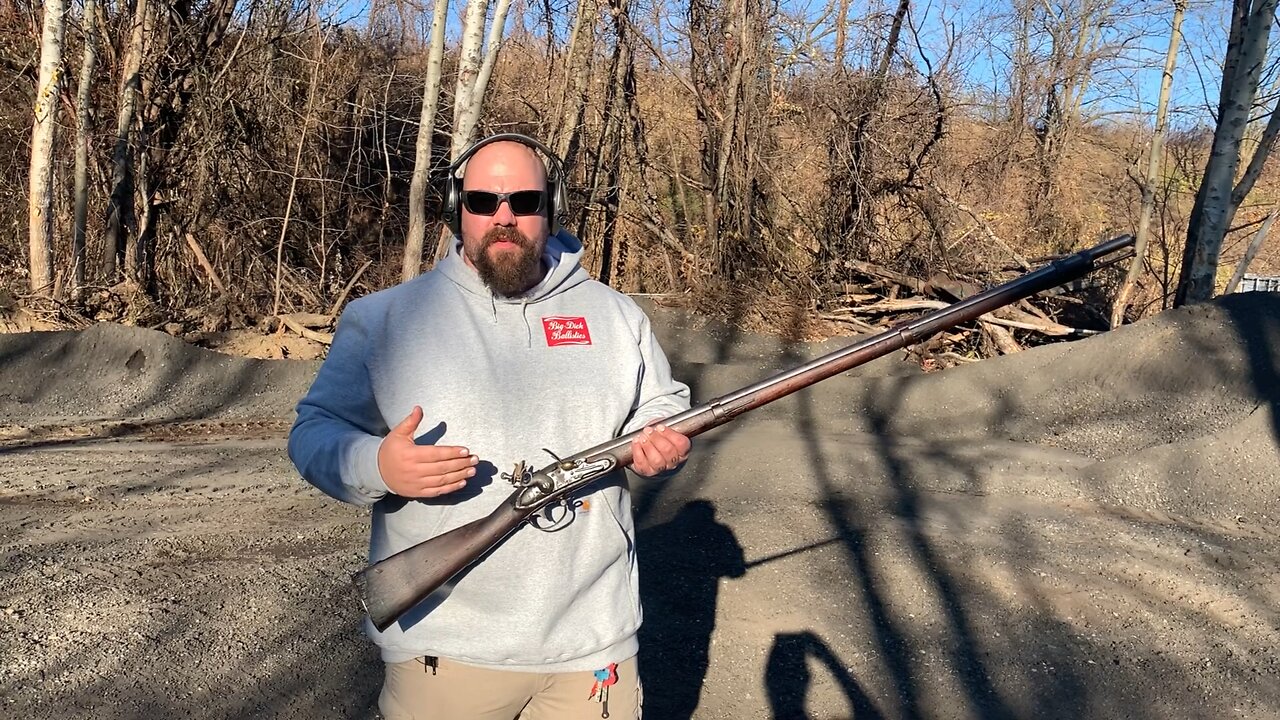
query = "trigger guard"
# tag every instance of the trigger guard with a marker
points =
(541, 519)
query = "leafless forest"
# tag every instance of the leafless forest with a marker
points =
(222, 164)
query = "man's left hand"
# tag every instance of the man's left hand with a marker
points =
(658, 449)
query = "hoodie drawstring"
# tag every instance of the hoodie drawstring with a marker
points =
(528, 329)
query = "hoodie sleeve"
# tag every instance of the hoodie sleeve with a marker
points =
(334, 440)
(658, 395)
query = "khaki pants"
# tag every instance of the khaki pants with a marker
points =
(452, 691)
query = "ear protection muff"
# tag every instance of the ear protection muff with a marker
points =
(557, 196)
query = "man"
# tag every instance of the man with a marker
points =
(434, 386)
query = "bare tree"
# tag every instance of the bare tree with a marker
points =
(604, 179)
(842, 32)
(573, 100)
(120, 205)
(1255, 244)
(40, 200)
(316, 62)
(713, 145)
(1075, 30)
(852, 181)
(422, 152)
(184, 42)
(1220, 195)
(84, 102)
(729, 55)
(1151, 179)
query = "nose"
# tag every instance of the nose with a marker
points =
(503, 215)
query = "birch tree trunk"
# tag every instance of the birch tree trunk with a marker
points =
(422, 152)
(473, 76)
(1152, 177)
(40, 199)
(1216, 200)
(120, 206)
(469, 61)
(83, 100)
(465, 127)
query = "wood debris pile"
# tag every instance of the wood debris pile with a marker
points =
(890, 297)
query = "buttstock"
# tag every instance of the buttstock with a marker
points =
(391, 587)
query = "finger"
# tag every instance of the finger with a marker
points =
(638, 461)
(426, 475)
(437, 453)
(673, 446)
(647, 459)
(449, 478)
(665, 446)
(673, 434)
(409, 424)
(681, 442)
(439, 490)
(676, 437)
(430, 482)
(440, 469)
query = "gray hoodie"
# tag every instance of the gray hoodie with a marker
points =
(570, 365)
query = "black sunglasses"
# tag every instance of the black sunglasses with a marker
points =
(521, 202)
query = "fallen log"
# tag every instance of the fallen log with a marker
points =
(1028, 322)
(309, 320)
(306, 332)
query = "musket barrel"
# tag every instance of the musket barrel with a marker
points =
(727, 407)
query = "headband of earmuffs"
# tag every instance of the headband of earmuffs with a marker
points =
(557, 199)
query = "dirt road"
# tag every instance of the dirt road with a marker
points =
(1080, 531)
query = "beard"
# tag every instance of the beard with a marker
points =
(507, 273)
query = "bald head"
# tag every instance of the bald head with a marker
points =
(504, 160)
(503, 247)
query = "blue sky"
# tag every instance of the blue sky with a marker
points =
(1124, 88)
(1126, 85)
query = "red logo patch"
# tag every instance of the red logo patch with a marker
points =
(565, 330)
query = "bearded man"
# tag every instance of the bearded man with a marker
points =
(506, 347)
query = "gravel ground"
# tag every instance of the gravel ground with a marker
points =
(1086, 530)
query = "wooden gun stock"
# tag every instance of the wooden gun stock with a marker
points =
(392, 586)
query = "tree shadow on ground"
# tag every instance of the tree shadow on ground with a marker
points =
(1256, 317)
(787, 677)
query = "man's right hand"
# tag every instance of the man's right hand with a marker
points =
(422, 471)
